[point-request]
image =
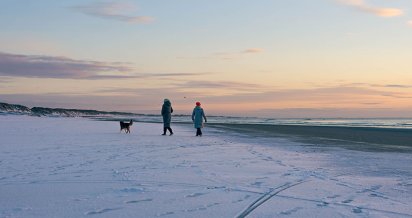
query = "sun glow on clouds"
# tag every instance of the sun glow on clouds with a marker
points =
(382, 12)
(237, 54)
(289, 102)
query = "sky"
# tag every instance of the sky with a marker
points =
(268, 58)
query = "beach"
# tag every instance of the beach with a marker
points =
(357, 138)
(77, 167)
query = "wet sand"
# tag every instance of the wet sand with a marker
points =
(357, 138)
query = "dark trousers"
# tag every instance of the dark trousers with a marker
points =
(167, 128)
(199, 132)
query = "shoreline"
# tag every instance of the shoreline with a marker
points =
(355, 138)
(379, 139)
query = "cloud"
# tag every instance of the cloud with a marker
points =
(409, 23)
(37, 66)
(192, 88)
(113, 10)
(379, 11)
(4, 79)
(246, 51)
(227, 92)
(237, 54)
(253, 50)
(219, 85)
(338, 96)
(227, 55)
(224, 92)
(187, 90)
(334, 101)
(149, 101)
(398, 86)
(335, 112)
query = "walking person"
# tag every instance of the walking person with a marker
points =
(197, 118)
(167, 111)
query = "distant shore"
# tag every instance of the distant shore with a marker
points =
(358, 138)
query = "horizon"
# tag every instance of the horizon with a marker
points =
(221, 115)
(274, 59)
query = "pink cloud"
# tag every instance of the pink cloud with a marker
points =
(379, 11)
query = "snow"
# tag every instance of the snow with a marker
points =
(75, 167)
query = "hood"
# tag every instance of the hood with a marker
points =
(167, 102)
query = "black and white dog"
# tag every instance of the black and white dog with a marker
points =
(125, 126)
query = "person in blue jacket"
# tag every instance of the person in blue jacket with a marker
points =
(197, 118)
(167, 111)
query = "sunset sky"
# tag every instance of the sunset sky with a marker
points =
(271, 58)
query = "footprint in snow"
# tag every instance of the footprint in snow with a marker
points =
(138, 201)
(216, 187)
(371, 189)
(347, 201)
(357, 210)
(132, 190)
(258, 184)
(212, 204)
(194, 195)
(166, 213)
(333, 196)
(101, 211)
(242, 199)
(268, 159)
(289, 212)
(322, 204)
(375, 187)
(80, 199)
(196, 209)
(378, 196)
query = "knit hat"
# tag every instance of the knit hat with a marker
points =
(197, 103)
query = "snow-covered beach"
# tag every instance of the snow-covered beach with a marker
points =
(76, 167)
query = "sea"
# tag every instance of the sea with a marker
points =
(398, 123)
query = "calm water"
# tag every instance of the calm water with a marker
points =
(370, 122)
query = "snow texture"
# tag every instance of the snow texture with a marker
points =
(75, 167)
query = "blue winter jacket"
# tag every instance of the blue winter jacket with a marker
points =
(197, 117)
